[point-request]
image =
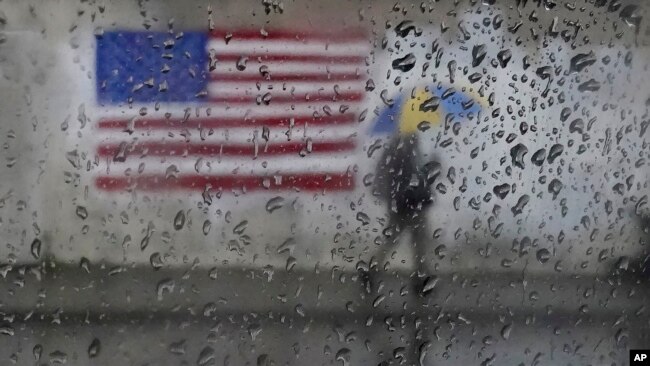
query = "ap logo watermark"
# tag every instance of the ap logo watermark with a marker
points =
(639, 357)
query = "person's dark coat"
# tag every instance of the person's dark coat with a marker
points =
(399, 180)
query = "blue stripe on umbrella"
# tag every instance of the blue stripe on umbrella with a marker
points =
(389, 119)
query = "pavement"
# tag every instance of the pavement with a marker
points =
(82, 314)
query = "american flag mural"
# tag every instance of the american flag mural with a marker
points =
(228, 110)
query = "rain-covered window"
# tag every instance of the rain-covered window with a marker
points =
(269, 182)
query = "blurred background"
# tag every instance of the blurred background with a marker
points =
(198, 182)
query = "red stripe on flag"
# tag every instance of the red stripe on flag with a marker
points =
(281, 57)
(184, 149)
(303, 182)
(311, 77)
(302, 99)
(176, 123)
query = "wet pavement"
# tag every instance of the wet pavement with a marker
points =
(243, 316)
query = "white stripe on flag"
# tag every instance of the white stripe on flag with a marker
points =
(186, 165)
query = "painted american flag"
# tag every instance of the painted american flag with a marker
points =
(229, 110)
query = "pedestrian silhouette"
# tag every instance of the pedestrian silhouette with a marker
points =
(403, 182)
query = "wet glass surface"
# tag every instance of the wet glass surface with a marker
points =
(324, 182)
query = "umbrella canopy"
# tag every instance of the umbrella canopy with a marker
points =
(430, 105)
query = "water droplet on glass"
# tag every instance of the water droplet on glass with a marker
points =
(363, 218)
(577, 125)
(171, 172)
(555, 151)
(475, 77)
(378, 300)
(265, 99)
(555, 187)
(589, 86)
(564, 115)
(504, 57)
(505, 331)
(264, 360)
(343, 355)
(300, 310)
(81, 212)
(517, 154)
(582, 60)
(631, 17)
(121, 153)
(165, 286)
(543, 255)
(206, 357)
(156, 261)
(478, 54)
(7, 330)
(424, 126)
(430, 105)
(254, 330)
(206, 227)
(177, 348)
(240, 228)
(291, 263)
(405, 27)
(36, 248)
(94, 348)
(274, 203)
(451, 67)
(37, 351)
(241, 63)
(405, 63)
(370, 85)
(521, 204)
(501, 190)
(73, 158)
(429, 284)
(179, 220)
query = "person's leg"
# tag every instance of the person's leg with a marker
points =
(375, 272)
(391, 235)
(377, 263)
(422, 241)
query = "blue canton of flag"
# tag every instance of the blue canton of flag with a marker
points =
(145, 67)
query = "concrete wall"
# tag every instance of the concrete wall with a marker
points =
(46, 69)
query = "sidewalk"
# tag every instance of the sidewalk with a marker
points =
(141, 316)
